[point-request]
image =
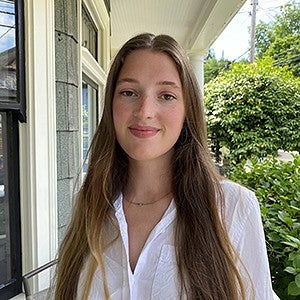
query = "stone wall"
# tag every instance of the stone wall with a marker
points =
(67, 105)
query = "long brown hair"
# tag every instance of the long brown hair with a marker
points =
(205, 258)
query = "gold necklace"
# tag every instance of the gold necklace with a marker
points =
(148, 203)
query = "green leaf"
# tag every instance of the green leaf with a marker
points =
(293, 239)
(294, 255)
(293, 289)
(274, 237)
(294, 245)
(296, 261)
(297, 280)
(291, 270)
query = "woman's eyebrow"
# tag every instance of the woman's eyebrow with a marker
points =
(170, 83)
(127, 79)
(164, 82)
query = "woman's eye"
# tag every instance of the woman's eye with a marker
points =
(128, 93)
(168, 97)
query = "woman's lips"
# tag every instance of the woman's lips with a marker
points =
(143, 131)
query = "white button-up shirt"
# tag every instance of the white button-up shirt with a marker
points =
(155, 274)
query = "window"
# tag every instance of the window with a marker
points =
(89, 116)
(12, 110)
(95, 31)
(95, 51)
(89, 33)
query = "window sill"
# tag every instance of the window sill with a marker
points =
(19, 297)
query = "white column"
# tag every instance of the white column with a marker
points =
(38, 141)
(197, 61)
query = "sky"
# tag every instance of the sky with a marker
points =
(233, 43)
(7, 26)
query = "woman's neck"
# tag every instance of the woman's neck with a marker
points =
(152, 179)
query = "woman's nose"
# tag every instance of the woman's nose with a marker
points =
(145, 107)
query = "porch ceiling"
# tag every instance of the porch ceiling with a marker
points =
(194, 23)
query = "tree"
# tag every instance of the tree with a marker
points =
(286, 52)
(213, 67)
(263, 39)
(254, 110)
(281, 39)
(288, 22)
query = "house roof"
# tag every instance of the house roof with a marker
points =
(196, 24)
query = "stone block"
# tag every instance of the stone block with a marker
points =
(66, 59)
(61, 233)
(72, 61)
(61, 107)
(60, 13)
(64, 201)
(68, 154)
(73, 108)
(67, 113)
(72, 18)
(66, 17)
(61, 57)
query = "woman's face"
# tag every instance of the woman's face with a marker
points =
(148, 105)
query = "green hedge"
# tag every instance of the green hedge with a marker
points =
(254, 110)
(277, 187)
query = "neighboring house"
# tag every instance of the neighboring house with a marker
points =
(51, 96)
(8, 78)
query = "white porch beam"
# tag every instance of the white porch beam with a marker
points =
(197, 61)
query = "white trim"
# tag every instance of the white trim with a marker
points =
(38, 172)
(197, 61)
(95, 70)
(19, 297)
(91, 68)
(100, 17)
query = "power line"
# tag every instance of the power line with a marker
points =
(6, 26)
(241, 55)
(277, 55)
(13, 26)
(266, 11)
(291, 59)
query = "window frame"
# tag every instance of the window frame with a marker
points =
(19, 105)
(94, 71)
(84, 10)
(92, 115)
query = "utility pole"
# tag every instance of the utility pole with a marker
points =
(254, 4)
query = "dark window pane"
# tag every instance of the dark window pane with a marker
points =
(89, 33)
(12, 109)
(89, 116)
(5, 247)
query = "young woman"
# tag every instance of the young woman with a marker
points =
(153, 219)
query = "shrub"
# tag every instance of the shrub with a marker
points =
(277, 187)
(254, 110)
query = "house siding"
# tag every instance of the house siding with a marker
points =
(67, 103)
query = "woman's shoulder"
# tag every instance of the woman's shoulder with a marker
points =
(237, 195)
(235, 190)
(240, 205)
